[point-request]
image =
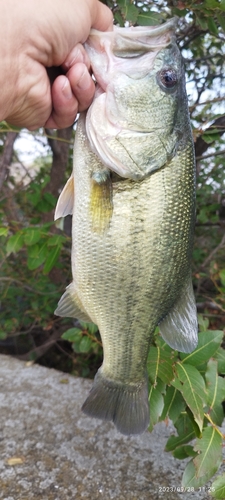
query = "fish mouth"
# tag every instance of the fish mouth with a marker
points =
(119, 59)
(110, 52)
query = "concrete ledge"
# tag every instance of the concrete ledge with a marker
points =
(60, 454)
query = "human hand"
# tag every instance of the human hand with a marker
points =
(37, 35)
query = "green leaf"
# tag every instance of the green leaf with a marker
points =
(221, 20)
(215, 387)
(202, 21)
(185, 433)
(92, 328)
(218, 488)
(84, 325)
(222, 276)
(208, 343)
(34, 197)
(128, 10)
(209, 449)
(203, 215)
(173, 404)
(182, 452)
(212, 4)
(160, 364)
(153, 364)
(179, 12)
(211, 136)
(50, 198)
(165, 347)
(220, 357)
(51, 259)
(72, 334)
(85, 344)
(194, 424)
(39, 257)
(131, 13)
(33, 250)
(32, 236)
(46, 202)
(192, 387)
(56, 240)
(15, 243)
(203, 323)
(149, 18)
(190, 480)
(217, 414)
(76, 346)
(4, 231)
(212, 25)
(156, 406)
(118, 18)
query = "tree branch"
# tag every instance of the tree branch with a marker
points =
(214, 251)
(60, 151)
(201, 146)
(215, 153)
(6, 157)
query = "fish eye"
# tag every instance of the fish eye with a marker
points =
(167, 78)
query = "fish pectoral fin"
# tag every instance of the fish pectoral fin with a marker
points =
(179, 329)
(124, 404)
(66, 200)
(101, 205)
(70, 306)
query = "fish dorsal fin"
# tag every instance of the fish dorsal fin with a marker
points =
(179, 329)
(66, 200)
(71, 306)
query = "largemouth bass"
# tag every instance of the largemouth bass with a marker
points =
(132, 195)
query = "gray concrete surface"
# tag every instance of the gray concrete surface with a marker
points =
(50, 451)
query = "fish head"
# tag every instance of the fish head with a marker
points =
(136, 121)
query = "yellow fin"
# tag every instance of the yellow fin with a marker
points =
(101, 206)
(66, 200)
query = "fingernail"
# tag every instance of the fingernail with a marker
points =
(84, 81)
(66, 90)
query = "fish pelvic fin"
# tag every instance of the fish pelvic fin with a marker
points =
(179, 329)
(124, 404)
(66, 200)
(101, 206)
(70, 306)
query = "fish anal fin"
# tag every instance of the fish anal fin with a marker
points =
(70, 306)
(125, 405)
(179, 329)
(66, 200)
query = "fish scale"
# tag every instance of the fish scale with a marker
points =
(132, 195)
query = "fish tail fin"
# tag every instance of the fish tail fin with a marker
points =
(126, 405)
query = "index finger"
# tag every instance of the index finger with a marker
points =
(77, 55)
